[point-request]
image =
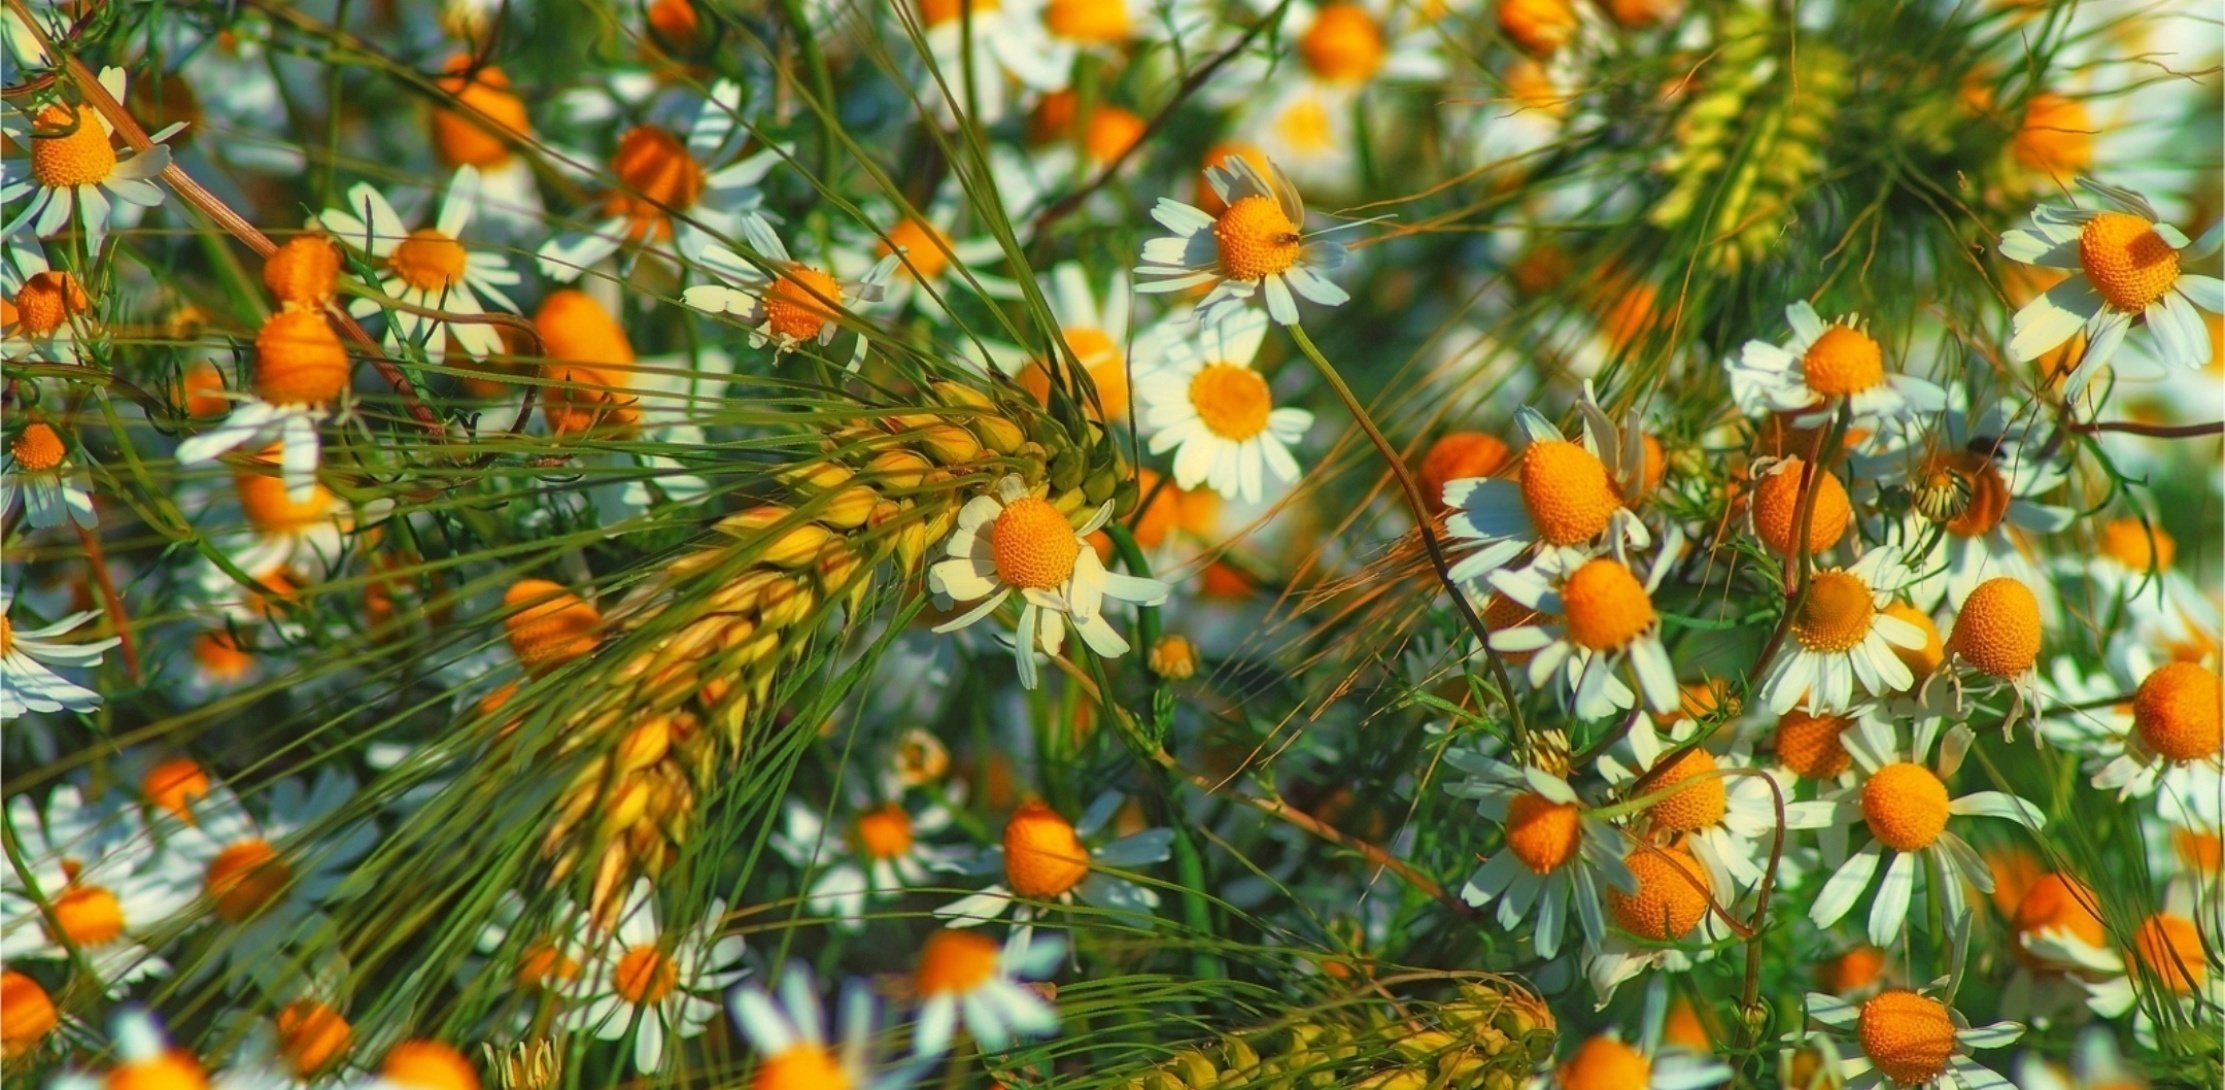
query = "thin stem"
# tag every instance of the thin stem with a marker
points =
(111, 601)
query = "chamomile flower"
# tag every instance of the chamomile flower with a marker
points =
(1071, 28)
(1556, 854)
(1254, 250)
(1841, 636)
(1811, 746)
(1724, 820)
(1670, 905)
(1606, 1062)
(94, 886)
(1595, 617)
(301, 368)
(1820, 368)
(1095, 327)
(965, 974)
(791, 1040)
(267, 534)
(2056, 932)
(1013, 541)
(1045, 858)
(28, 657)
(2169, 959)
(643, 982)
(36, 466)
(786, 303)
(1203, 401)
(2174, 743)
(428, 267)
(882, 853)
(2126, 277)
(144, 1057)
(1563, 494)
(1905, 1038)
(1303, 113)
(981, 60)
(932, 259)
(1905, 807)
(1995, 643)
(74, 169)
(45, 307)
(479, 132)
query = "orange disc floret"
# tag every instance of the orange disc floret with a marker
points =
(1458, 456)
(2136, 545)
(1257, 239)
(2175, 712)
(173, 1070)
(576, 329)
(1033, 545)
(805, 1066)
(1102, 22)
(429, 1065)
(1699, 805)
(1205, 198)
(486, 111)
(1110, 131)
(2058, 903)
(429, 260)
(299, 359)
(1921, 661)
(1998, 630)
(27, 1014)
(1909, 1037)
(1836, 614)
(1905, 806)
(1232, 401)
(245, 878)
(1566, 492)
(885, 832)
(46, 302)
(939, 12)
(1604, 1063)
(1344, 44)
(1671, 899)
(88, 915)
(1811, 745)
(2127, 262)
(2170, 946)
(800, 303)
(656, 177)
(38, 448)
(547, 624)
(954, 962)
(70, 147)
(1776, 507)
(2056, 137)
(1639, 14)
(1852, 971)
(1539, 26)
(1844, 360)
(173, 785)
(925, 247)
(312, 1036)
(1043, 856)
(1684, 1028)
(1604, 606)
(201, 391)
(1543, 834)
(302, 271)
(644, 975)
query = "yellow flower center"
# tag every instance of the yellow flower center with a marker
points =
(1672, 896)
(644, 975)
(245, 878)
(7, 636)
(1810, 745)
(37, 449)
(926, 248)
(885, 833)
(1565, 490)
(1605, 606)
(27, 1014)
(955, 962)
(2176, 712)
(89, 915)
(1905, 806)
(1103, 22)
(1231, 401)
(1908, 1036)
(302, 271)
(70, 148)
(1603, 1063)
(1844, 360)
(1042, 855)
(2170, 946)
(2128, 263)
(548, 625)
(1257, 240)
(1543, 834)
(172, 785)
(1033, 545)
(311, 1036)
(1777, 509)
(1698, 806)
(429, 260)
(173, 1070)
(1344, 44)
(1305, 125)
(299, 359)
(46, 302)
(1836, 614)
(1539, 26)
(793, 304)
(2137, 546)
(1998, 630)
(2056, 138)
(263, 500)
(802, 1066)
(429, 1065)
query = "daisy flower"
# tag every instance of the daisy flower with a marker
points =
(1014, 541)
(2169, 960)
(966, 973)
(1045, 858)
(1071, 28)
(2056, 933)
(1905, 806)
(1563, 494)
(1669, 907)
(32, 1019)
(144, 1057)
(1594, 616)
(74, 169)
(2126, 276)
(1254, 249)
(1840, 636)
(791, 1041)
(1556, 854)
(1203, 401)
(1095, 331)
(96, 887)
(1821, 367)
(880, 856)
(275, 539)
(1811, 746)
(1304, 112)
(668, 193)
(932, 260)
(47, 307)
(480, 134)
(1726, 821)
(2174, 743)
(428, 267)
(1995, 643)
(300, 369)
(1906, 1038)
(639, 981)
(53, 492)
(1003, 53)
(786, 303)
(28, 682)
(1605, 1062)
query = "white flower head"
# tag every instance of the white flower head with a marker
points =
(1563, 494)
(963, 974)
(91, 870)
(1820, 368)
(1904, 1039)
(36, 466)
(1255, 250)
(1557, 855)
(785, 302)
(1593, 616)
(1203, 400)
(429, 268)
(655, 986)
(75, 170)
(1046, 859)
(28, 682)
(1840, 637)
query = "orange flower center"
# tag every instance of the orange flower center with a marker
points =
(1671, 898)
(299, 359)
(645, 975)
(245, 878)
(269, 510)
(1836, 614)
(1605, 606)
(1905, 806)
(2170, 946)
(655, 173)
(302, 271)
(2058, 902)
(469, 134)
(1033, 545)
(955, 962)
(803, 1066)
(1603, 1063)
(201, 391)
(1844, 360)
(885, 833)
(793, 306)
(174, 1070)
(550, 625)
(1698, 806)
(428, 260)
(1110, 131)
(1231, 401)
(1344, 44)
(312, 1036)
(1908, 1036)
(1810, 745)
(1543, 834)
(2137, 546)
(2176, 712)
(1042, 855)
(2056, 138)
(89, 915)
(172, 785)
(1257, 240)
(1998, 630)
(46, 302)
(939, 12)
(27, 1014)
(543, 963)
(1565, 490)
(1777, 509)
(1103, 22)
(1539, 26)
(575, 328)
(429, 1065)
(1458, 456)
(2128, 263)
(70, 148)
(37, 449)
(1856, 969)
(926, 248)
